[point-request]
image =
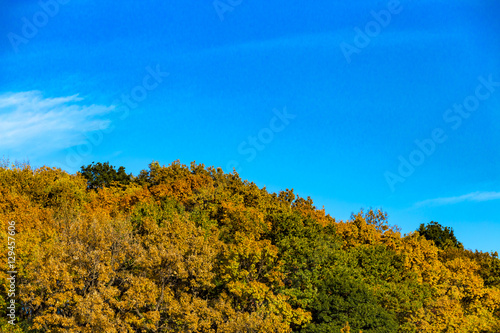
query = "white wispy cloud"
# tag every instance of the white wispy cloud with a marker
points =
(30, 121)
(474, 196)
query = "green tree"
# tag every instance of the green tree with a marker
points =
(101, 175)
(343, 296)
(443, 237)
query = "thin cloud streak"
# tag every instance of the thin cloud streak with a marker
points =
(30, 121)
(470, 197)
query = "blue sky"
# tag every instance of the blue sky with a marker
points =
(386, 104)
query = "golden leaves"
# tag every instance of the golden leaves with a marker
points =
(195, 250)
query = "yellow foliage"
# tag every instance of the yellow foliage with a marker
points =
(194, 250)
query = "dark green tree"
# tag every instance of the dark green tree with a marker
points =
(101, 175)
(343, 296)
(443, 237)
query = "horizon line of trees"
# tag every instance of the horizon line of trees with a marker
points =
(194, 249)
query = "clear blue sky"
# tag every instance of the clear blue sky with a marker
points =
(326, 97)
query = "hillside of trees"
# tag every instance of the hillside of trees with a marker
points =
(193, 249)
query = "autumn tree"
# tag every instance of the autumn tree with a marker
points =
(193, 249)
